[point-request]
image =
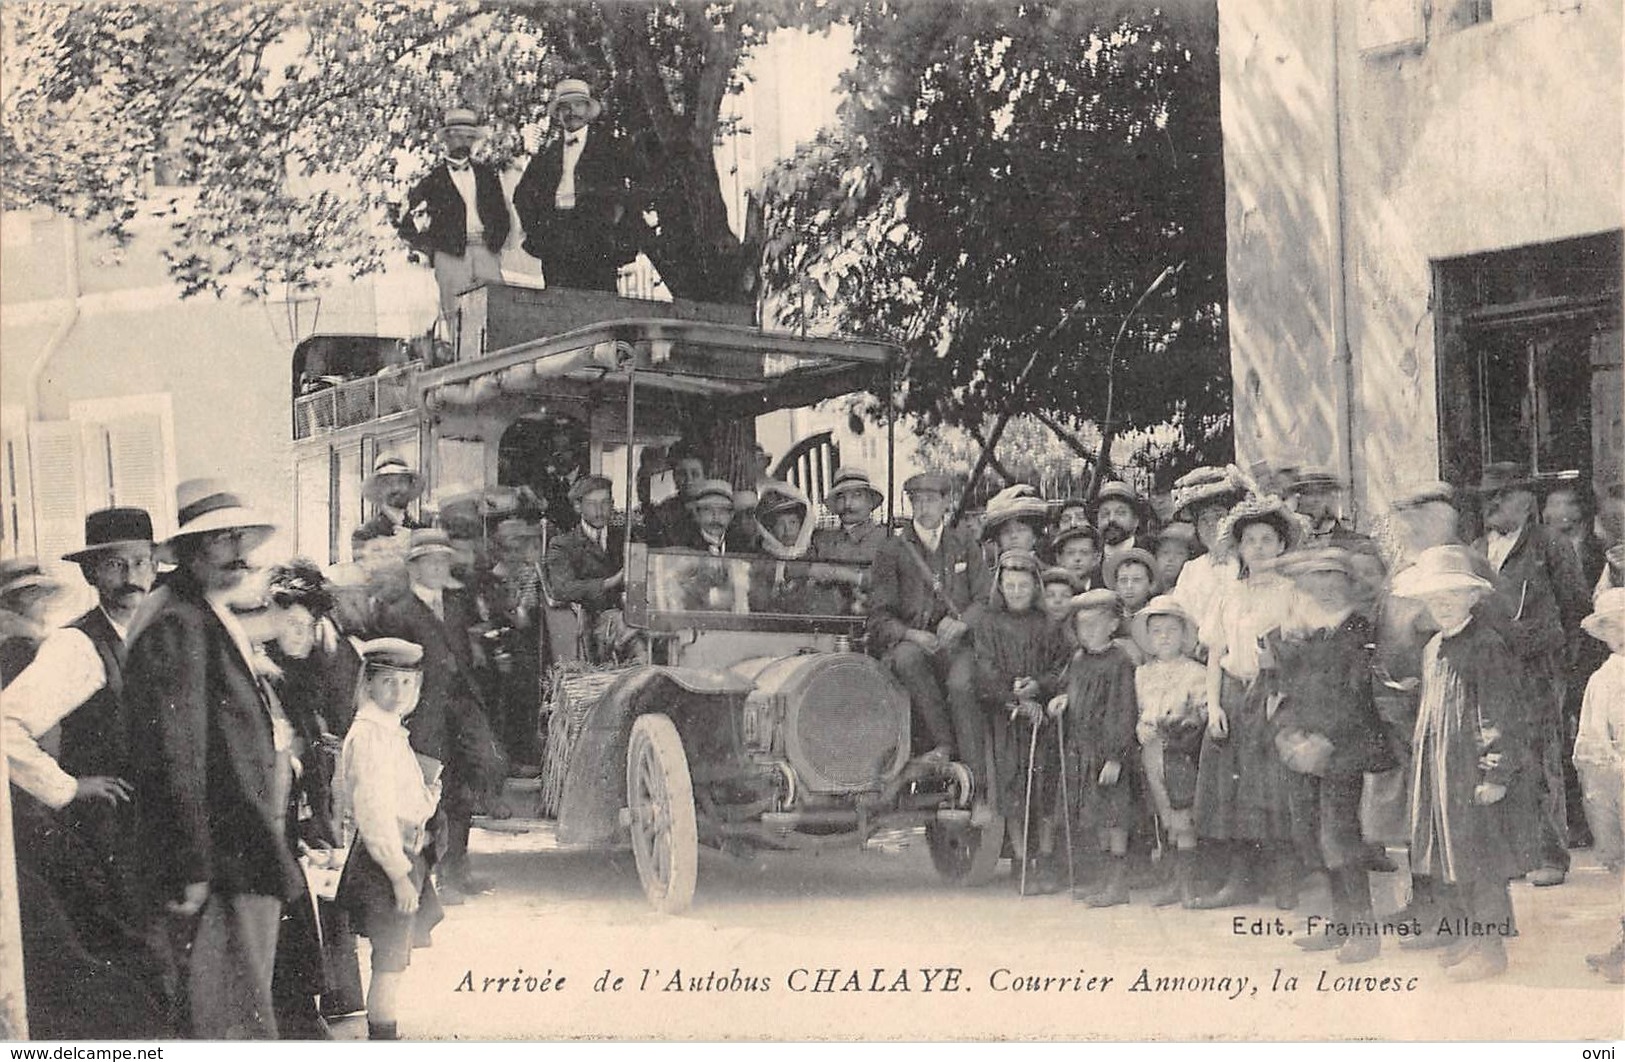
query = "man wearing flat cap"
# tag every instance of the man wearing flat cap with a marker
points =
(924, 584)
(572, 199)
(211, 765)
(80, 826)
(584, 565)
(457, 216)
(1540, 582)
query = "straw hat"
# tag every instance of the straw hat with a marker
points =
(385, 471)
(205, 505)
(1439, 570)
(461, 120)
(1018, 502)
(1162, 605)
(572, 88)
(1607, 610)
(1268, 509)
(24, 573)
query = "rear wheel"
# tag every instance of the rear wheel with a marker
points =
(966, 855)
(660, 800)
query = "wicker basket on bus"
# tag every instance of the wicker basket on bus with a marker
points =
(575, 687)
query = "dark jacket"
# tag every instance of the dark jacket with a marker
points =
(1326, 689)
(602, 185)
(448, 215)
(577, 568)
(1542, 587)
(900, 594)
(203, 761)
(96, 735)
(450, 723)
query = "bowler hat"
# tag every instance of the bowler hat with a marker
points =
(1119, 491)
(110, 528)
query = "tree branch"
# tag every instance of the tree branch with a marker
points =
(721, 53)
(1060, 431)
(998, 466)
(632, 28)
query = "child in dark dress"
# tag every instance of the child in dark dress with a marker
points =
(1019, 655)
(1100, 712)
(389, 794)
(1329, 735)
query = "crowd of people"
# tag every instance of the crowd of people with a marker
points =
(1239, 682)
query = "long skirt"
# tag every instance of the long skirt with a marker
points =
(1241, 784)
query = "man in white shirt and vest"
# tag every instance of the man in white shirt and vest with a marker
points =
(457, 215)
(572, 200)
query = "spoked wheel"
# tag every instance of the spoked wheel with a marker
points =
(660, 799)
(966, 855)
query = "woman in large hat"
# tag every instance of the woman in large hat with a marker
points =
(1202, 498)
(1241, 800)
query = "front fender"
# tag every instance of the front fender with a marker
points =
(595, 779)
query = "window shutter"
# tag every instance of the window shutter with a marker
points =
(56, 466)
(129, 455)
(16, 485)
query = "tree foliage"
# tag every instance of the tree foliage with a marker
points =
(1011, 179)
(298, 123)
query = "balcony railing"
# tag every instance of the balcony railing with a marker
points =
(353, 402)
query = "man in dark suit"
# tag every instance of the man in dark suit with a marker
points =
(572, 199)
(924, 581)
(451, 724)
(457, 216)
(211, 767)
(584, 564)
(1541, 585)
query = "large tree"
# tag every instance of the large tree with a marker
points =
(299, 122)
(1006, 184)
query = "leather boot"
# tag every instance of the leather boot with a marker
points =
(1287, 872)
(1169, 891)
(1115, 892)
(1363, 944)
(1238, 887)
(383, 1030)
(1485, 958)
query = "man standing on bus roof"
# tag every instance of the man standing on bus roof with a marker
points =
(457, 216)
(572, 199)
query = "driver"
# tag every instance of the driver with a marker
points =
(707, 585)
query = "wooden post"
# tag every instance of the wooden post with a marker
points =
(13, 1001)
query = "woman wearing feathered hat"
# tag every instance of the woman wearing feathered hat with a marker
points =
(1203, 497)
(573, 198)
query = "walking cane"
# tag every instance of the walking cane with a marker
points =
(1066, 806)
(1027, 806)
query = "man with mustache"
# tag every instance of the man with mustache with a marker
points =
(1120, 514)
(457, 216)
(79, 829)
(211, 767)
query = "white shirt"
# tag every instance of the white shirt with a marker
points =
(66, 672)
(930, 539)
(599, 535)
(281, 729)
(1498, 546)
(464, 180)
(574, 144)
(1601, 739)
(435, 599)
(716, 545)
(381, 789)
(1202, 584)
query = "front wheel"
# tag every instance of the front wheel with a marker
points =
(660, 800)
(966, 855)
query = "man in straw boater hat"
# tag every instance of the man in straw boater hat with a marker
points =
(923, 585)
(1475, 823)
(457, 215)
(211, 766)
(852, 498)
(1540, 583)
(25, 591)
(452, 724)
(572, 199)
(78, 830)
(392, 487)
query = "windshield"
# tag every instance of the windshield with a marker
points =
(755, 585)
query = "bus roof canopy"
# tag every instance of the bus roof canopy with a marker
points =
(735, 365)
